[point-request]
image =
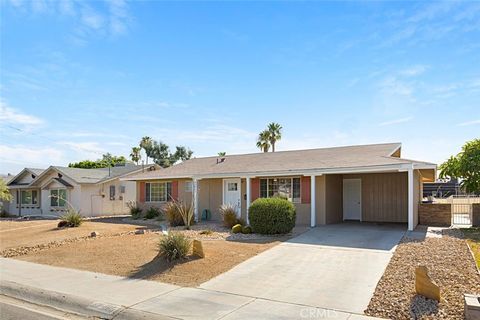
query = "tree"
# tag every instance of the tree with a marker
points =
(108, 160)
(465, 166)
(275, 134)
(147, 144)
(135, 154)
(222, 154)
(161, 155)
(5, 194)
(263, 141)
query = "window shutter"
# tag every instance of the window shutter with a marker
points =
(143, 189)
(255, 189)
(174, 190)
(305, 190)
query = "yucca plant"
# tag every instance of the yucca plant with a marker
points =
(229, 215)
(72, 218)
(174, 246)
(185, 211)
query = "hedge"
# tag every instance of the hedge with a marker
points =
(272, 216)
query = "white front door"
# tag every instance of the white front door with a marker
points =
(352, 199)
(232, 193)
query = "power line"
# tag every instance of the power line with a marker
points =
(49, 139)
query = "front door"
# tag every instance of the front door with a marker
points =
(232, 193)
(352, 199)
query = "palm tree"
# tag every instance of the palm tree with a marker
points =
(275, 133)
(222, 154)
(146, 144)
(135, 154)
(263, 140)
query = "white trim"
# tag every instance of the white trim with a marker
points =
(249, 197)
(20, 174)
(312, 201)
(410, 199)
(195, 199)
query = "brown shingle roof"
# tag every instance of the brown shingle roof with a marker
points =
(283, 161)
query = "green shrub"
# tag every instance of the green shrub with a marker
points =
(174, 246)
(135, 211)
(237, 228)
(246, 229)
(173, 214)
(72, 218)
(241, 221)
(152, 212)
(272, 216)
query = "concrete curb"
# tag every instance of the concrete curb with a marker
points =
(73, 304)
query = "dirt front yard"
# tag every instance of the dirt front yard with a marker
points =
(119, 251)
(450, 265)
(28, 233)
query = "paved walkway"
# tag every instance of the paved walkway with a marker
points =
(122, 298)
(335, 267)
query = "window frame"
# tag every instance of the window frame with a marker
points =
(189, 186)
(31, 203)
(272, 181)
(57, 199)
(112, 190)
(167, 186)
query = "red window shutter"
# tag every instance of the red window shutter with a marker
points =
(254, 188)
(175, 189)
(305, 190)
(142, 192)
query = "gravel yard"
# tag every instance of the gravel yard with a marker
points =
(450, 265)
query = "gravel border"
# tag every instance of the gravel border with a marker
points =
(450, 265)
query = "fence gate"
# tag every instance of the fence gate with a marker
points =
(462, 209)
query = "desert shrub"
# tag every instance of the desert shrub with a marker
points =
(4, 214)
(206, 232)
(135, 211)
(72, 218)
(173, 213)
(152, 212)
(241, 221)
(174, 246)
(237, 228)
(229, 215)
(272, 216)
(246, 229)
(62, 224)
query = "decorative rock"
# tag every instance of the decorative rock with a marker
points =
(472, 307)
(140, 231)
(94, 234)
(424, 285)
(198, 249)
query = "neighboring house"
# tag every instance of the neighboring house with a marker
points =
(94, 192)
(366, 183)
(6, 178)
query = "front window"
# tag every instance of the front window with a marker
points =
(288, 188)
(158, 191)
(112, 192)
(29, 197)
(58, 197)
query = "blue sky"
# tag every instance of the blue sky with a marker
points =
(80, 78)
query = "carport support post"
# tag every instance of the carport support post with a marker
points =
(249, 199)
(195, 199)
(312, 201)
(410, 199)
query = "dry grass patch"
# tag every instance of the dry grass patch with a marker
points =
(473, 239)
(450, 265)
(136, 256)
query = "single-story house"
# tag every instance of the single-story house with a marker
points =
(370, 183)
(94, 192)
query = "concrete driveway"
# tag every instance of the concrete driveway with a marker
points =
(334, 266)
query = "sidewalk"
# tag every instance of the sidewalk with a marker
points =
(113, 297)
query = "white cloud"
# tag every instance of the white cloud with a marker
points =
(469, 123)
(18, 156)
(14, 116)
(414, 71)
(395, 121)
(86, 149)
